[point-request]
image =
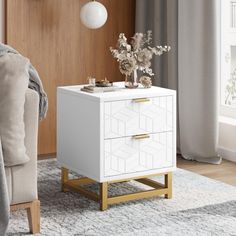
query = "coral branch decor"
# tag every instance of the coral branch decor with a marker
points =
(136, 56)
(231, 90)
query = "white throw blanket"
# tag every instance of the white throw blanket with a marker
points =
(35, 84)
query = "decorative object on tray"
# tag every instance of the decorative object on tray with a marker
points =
(136, 56)
(146, 81)
(104, 83)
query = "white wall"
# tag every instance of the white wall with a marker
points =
(2, 21)
(227, 140)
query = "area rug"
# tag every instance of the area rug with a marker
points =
(200, 206)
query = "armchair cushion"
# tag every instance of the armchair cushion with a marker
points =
(14, 79)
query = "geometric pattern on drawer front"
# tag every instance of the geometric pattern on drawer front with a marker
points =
(126, 118)
(127, 155)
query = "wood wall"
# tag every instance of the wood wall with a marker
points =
(64, 52)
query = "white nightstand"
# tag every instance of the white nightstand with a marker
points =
(116, 136)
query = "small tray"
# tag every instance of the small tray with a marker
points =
(104, 84)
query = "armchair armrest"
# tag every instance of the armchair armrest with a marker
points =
(27, 173)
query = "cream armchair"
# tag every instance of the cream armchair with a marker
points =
(22, 179)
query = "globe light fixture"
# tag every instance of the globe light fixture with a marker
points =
(93, 15)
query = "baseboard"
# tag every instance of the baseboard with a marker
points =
(46, 156)
(227, 154)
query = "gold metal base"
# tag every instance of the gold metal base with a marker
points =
(77, 185)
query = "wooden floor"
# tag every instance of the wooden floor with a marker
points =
(225, 172)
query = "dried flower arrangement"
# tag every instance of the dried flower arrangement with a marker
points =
(138, 54)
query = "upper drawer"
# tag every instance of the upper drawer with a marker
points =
(138, 116)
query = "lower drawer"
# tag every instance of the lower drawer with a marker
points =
(138, 153)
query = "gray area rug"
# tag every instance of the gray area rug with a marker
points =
(200, 206)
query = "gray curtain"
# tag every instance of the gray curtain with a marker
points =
(191, 28)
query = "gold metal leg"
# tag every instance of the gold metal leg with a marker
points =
(77, 185)
(168, 184)
(64, 179)
(103, 196)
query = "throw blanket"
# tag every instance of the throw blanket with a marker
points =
(4, 201)
(35, 84)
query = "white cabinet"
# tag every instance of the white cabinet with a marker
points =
(116, 135)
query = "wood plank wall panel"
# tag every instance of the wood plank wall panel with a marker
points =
(64, 52)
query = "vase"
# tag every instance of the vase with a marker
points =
(131, 81)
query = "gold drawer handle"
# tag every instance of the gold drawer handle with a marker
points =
(137, 100)
(141, 136)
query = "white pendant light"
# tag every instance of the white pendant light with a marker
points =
(93, 15)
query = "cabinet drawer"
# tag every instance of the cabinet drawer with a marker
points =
(131, 154)
(138, 116)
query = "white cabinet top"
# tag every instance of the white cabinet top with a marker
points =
(120, 94)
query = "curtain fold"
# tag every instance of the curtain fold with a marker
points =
(161, 16)
(191, 28)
